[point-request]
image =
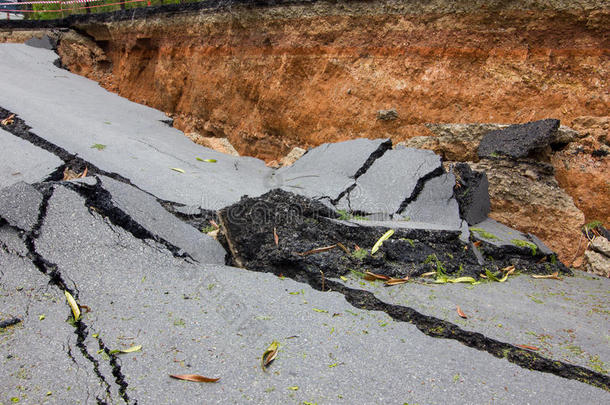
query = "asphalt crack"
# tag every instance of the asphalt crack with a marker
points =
(438, 328)
(378, 153)
(51, 270)
(99, 200)
(421, 182)
(20, 129)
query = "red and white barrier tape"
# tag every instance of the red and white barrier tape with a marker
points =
(49, 2)
(65, 2)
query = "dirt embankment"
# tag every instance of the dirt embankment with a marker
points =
(283, 74)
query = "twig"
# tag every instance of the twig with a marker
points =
(322, 280)
(317, 250)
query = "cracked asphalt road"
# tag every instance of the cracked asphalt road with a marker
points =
(144, 277)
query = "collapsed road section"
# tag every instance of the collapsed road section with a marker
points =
(157, 298)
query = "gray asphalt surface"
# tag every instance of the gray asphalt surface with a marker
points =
(126, 261)
(22, 161)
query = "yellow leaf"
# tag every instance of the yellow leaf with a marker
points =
(73, 305)
(193, 377)
(379, 242)
(269, 354)
(428, 274)
(320, 310)
(295, 388)
(176, 169)
(129, 350)
(343, 278)
(462, 280)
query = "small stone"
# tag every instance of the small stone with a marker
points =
(387, 115)
(597, 263)
(601, 245)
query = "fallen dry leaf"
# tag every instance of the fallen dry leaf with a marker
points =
(477, 243)
(369, 276)
(528, 347)
(395, 281)
(460, 312)
(428, 274)
(276, 238)
(84, 173)
(509, 269)
(554, 276)
(70, 174)
(194, 378)
(317, 250)
(8, 120)
(269, 354)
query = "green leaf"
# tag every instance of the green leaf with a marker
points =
(41, 317)
(320, 310)
(343, 278)
(98, 146)
(206, 160)
(294, 388)
(491, 275)
(385, 237)
(176, 169)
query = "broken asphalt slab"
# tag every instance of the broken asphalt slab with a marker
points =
(119, 136)
(217, 320)
(330, 170)
(392, 181)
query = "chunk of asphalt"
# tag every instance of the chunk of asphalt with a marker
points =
(44, 42)
(393, 178)
(518, 140)
(508, 246)
(329, 169)
(435, 204)
(472, 193)
(146, 211)
(22, 161)
(119, 136)
(217, 320)
(19, 205)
